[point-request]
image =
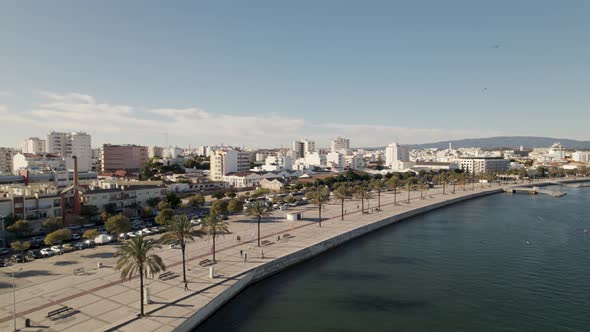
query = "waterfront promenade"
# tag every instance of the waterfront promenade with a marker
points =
(102, 302)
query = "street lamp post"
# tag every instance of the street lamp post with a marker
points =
(14, 271)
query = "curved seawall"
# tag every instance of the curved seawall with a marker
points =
(281, 263)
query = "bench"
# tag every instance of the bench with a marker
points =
(286, 236)
(165, 275)
(265, 243)
(79, 271)
(206, 262)
(58, 312)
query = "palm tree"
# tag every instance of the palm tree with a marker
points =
(135, 256)
(180, 231)
(410, 183)
(258, 210)
(361, 192)
(319, 196)
(442, 178)
(393, 183)
(212, 225)
(342, 193)
(377, 185)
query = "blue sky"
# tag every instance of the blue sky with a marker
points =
(262, 73)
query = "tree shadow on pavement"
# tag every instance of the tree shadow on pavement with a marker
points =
(64, 263)
(5, 285)
(99, 255)
(34, 273)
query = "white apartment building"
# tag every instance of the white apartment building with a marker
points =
(335, 160)
(224, 162)
(581, 156)
(72, 144)
(30, 161)
(339, 143)
(121, 196)
(34, 145)
(155, 151)
(303, 147)
(557, 152)
(477, 165)
(394, 153)
(315, 159)
(354, 162)
(279, 162)
(6, 155)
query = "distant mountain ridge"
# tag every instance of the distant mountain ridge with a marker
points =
(506, 142)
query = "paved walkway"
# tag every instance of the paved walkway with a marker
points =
(102, 302)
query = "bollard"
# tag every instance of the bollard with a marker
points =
(146, 299)
(211, 272)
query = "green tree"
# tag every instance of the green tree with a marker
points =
(162, 205)
(147, 212)
(319, 197)
(90, 234)
(230, 194)
(260, 192)
(289, 199)
(219, 206)
(218, 195)
(153, 202)
(173, 200)
(180, 231)
(57, 236)
(9, 220)
(20, 246)
(136, 256)
(377, 185)
(235, 206)
(118, 224)
(212, 225)
(393, 183)
(104, 217)
(362, 192)
(197, 201)
(164, 216)
(20, 228)
(258, 211)
(53, 223)
(341, 193)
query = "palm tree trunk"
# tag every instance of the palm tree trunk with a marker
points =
(395, 196)
(214, 236)
(141, 289)
(409, 194)
(320, 211)
(183, 248)
(379, 199)
(259, 231)
(342, 206)
(362, 205)
(444, 187)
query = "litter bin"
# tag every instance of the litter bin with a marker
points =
(27, 322)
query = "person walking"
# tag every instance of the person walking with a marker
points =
(186, 286)
(245, 257)
(261, 253)
(241, 253)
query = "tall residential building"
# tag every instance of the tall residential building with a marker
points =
(223, 162)
(155, 151)
(303, 147)
(123, 157)
(581, 156)
(339, 144)
(34, 145)
(42, 161)
(395, 153)
(6, 155)
(72, 144)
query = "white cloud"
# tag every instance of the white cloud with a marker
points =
(129, 124)
(4, 93)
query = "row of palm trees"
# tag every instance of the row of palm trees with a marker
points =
(136, 256)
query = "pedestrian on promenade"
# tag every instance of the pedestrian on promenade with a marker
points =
(357, 206)
(186, 286)
(241, 253)
(261, 253)
(245, 257)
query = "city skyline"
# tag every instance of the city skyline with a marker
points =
(264, 74)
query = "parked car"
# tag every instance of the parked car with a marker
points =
(123, 236)
(57, 249)
(37, 239)
(88, 243)
(155, 230)
(131, 234)
(149, 223)
(3, 263)
(17, 258)
(34, 254)
(146, 231)
(79, 246)
(67, 247)
(103, 239)
(47, 252)
(75, 236)
(4, 251)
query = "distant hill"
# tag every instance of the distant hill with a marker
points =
(506, 142)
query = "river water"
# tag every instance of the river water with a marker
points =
(499, 263)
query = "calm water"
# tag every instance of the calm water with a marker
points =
(500, 263)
